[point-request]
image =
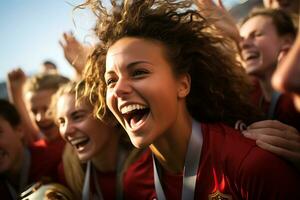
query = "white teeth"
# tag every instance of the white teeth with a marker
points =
(250, 55)
(77, 141)
(132, 107)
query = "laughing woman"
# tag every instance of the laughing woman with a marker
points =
(93, 142)
(164, 74)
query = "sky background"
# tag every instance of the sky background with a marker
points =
(31, 29)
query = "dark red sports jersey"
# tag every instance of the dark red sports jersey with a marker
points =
(285, 110)
(231, 167)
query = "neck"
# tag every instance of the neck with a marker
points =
(171, 148)
(265, 84)
(266, 89)
(106, 160)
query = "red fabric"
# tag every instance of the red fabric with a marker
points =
(45, 159)
(285, 110)
(229, 163)
(107, 183)
(61, 174)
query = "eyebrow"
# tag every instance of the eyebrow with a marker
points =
(78, 112)
(131, 65)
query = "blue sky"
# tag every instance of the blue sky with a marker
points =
(30, 31)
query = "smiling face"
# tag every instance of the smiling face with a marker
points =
(142, 91)
(11, 147)
(37, 104)
(88, 135)
(260, 45)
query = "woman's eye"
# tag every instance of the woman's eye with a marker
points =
(139, 73)
(78, 117)
(60, 122)
(109, 81)
(258, 34)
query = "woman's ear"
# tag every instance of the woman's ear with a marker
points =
(184, 85)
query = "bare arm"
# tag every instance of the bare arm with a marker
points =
(15, 81)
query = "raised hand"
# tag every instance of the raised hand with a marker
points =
(224, 21)
(75, 52)
(15, 81)
(276, 137)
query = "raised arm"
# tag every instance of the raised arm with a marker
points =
(15, 81)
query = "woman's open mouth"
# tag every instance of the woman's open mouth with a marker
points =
(135, 114)
(79, 143)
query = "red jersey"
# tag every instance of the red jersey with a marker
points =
(285, 110)
(231, 167)
(106, 181)
(45, 159)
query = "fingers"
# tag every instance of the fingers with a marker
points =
(16, 74)
(221, 5)
(68, 39)
(276, 137)
(293, 156)
(280, 142)
(274, 124)
(258, 133)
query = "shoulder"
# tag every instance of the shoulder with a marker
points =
(268, 176)
(226, 140)
(259, 173)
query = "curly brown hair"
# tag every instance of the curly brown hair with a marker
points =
(219, 85)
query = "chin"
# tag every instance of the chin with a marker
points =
(252, 71)
(84, 158)
(139, 143)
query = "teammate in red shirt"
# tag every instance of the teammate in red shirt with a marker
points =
(96, 151)
(20, 166)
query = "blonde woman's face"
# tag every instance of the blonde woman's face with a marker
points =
(37, 104)
(88, 135)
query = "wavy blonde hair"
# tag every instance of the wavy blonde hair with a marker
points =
(73, 168)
